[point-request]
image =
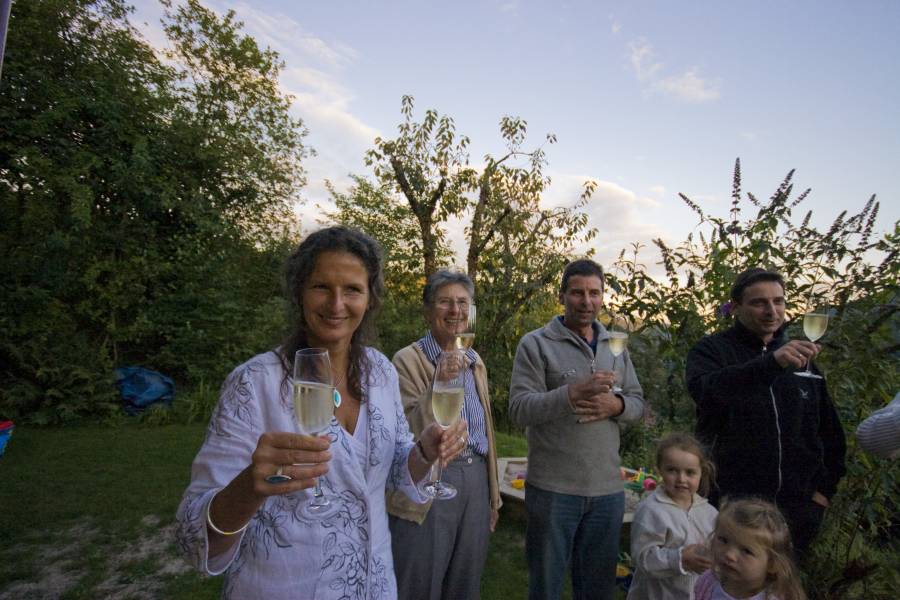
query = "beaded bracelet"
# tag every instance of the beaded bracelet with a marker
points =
(216, 529)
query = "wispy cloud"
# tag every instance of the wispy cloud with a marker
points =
(643, 61)
(658, 190)
(314, 76)
(620, 215)
(288, 37)
(688, 86)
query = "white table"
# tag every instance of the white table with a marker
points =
(509, 467)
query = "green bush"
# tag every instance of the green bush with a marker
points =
(845, 271)
(146, 203)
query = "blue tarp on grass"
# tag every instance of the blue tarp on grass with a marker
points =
(141, 387)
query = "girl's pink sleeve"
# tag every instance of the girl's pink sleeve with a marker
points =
(703, 589)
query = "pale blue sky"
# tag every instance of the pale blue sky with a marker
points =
(648, 98)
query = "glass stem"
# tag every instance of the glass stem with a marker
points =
(439, 472)
(318, 496)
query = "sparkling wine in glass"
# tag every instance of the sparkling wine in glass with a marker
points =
(618, 341)
(814, 326)
(314, 401)
(447, 394)
(465, 336)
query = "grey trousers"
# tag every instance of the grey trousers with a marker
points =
(443, 558)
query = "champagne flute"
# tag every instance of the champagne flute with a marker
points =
(447, 394)
(618, 341)
(314, 402)
(814, 326)
(465, 336)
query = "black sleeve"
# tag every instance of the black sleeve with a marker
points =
(712, 383)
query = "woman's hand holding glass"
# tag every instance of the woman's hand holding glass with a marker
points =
(447, 398)
(234, 506)
(445, 444)
(301, 458)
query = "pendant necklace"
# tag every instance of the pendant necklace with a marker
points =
(337, 394)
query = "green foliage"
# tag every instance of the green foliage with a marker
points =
(859, 553)
(843, 270)
(428, 165)
(197, 405)
(510, 445)
(147, 211)
(516, 249)
(146, 204)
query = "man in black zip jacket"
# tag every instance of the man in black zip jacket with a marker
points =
(771, 433)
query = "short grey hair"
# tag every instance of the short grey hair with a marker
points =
(443, 277)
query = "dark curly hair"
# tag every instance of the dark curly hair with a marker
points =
(299, 267)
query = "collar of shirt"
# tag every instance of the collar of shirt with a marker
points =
(432, 350)
(594, 327)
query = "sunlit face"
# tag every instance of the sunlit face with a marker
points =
(335, 299)
(449, 313)
(582, 300)
(681, 475)
(740, 562)
(761, 309)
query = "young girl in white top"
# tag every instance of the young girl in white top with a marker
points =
(751, 554)
(671, 527)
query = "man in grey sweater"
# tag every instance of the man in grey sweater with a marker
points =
(561, 392)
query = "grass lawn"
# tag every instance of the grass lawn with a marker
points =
(88, 512)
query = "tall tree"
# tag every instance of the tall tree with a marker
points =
(137, 200)
(428, 164)
(245, 146)
(515, 248)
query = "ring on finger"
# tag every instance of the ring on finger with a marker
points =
(279, 476)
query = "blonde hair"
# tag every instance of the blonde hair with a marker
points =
(765, 524)
(688, 443)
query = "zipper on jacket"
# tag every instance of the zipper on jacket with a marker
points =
(778, 429)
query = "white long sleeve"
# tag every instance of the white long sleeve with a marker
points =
(659, 532)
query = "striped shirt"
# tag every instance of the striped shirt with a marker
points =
(472, 410)
(880, 433)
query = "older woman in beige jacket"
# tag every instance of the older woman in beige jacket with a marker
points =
(440, 548)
